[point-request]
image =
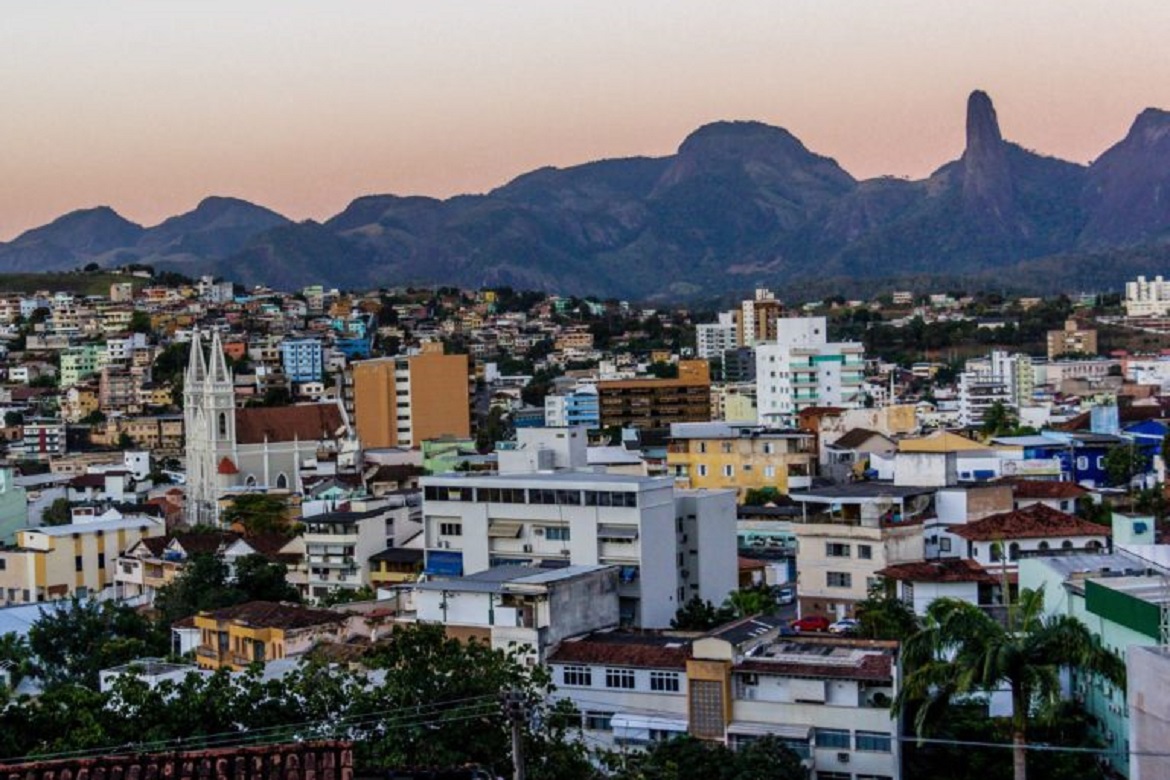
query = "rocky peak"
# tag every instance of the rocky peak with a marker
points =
(987, 182)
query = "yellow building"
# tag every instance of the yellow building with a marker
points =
(404, 401)
(739, 456)
(262, 631)
(395, 565)
(57, 562)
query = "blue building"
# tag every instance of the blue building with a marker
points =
(579, 407)
(303, 359)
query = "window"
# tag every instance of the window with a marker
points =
(557, 533)
(944, 544)
(702, 448)
(769, 448)
(865, 552)
(702, 470)
(1013, 552)
(833, 738)
(599, 721)
(619, 678)
(451, 529)
(101, 560)
(839, 579)
(769, 471)
(664, 681)
(836, 550)
(581, 676)
(78, 564)
(729, 470)
(726, 447)
(873, 741)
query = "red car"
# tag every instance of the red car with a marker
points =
(811, 623)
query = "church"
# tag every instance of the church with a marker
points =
(230, 449)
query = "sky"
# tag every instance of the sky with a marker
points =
(303, 105)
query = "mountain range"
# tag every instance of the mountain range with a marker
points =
(740, 204)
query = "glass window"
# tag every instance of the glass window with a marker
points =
(702, 470)
(557, 533)
(619, 678)
(599, 721)
(451, 529)
(865, 552)
(581, 676)
(836, 550)
(728, 470)
(873, 741)
(833, 738)
(664, 681)
(839, 579)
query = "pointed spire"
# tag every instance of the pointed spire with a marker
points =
(196, 370)
(218, 367)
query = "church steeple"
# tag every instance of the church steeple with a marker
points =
(196, 370)
(218, 363)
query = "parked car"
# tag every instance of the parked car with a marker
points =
(785, 594)
(811, 623)
(844, 626)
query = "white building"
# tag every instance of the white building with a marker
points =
(802, 369)
(1147, 298)
(712, 339)
(668, 548)
(338, 545)
(828, 699)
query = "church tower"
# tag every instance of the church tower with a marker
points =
(209, 425)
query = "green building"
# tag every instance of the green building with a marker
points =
(13, 506)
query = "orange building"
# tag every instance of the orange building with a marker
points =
(656, 403)
(403, 401)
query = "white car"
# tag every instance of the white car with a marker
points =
(844, 626)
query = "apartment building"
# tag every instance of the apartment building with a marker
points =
(77, 559)
(758, 318)
(339, 545)
(302, 359)
(403, 401)
(827, 699)
(667, 547)
(579, 406)
(800, 368)
(262, 631)
(656, 403)
(1147, 297)
(740, 457)
(712, 339)
(1071, 340)
(80, 363)
(43, 439)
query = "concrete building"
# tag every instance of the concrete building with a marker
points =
(77, 559)
(739, 456)
(800, 369)
(825, 698)
(339, 545)
(557, 518)
(79, 364)
(262, 631)
(657, 403)
(404, 401)
(13, 505)
(1071, 340)
(1147, 669)
(1147, 298)
(575, 407)
(757, 318)
(302, 359)
(712, 339)
(521, 606)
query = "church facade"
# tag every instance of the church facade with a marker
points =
(264, 448)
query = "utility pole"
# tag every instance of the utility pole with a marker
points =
(515, 710)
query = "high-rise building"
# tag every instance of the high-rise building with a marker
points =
(656, 403)
(302, 359)
(712, 339)
(403, 401)
(1071, 340)
(758, 318)
(801, 368)
(1147, 298)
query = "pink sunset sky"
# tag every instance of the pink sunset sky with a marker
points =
(301, 106)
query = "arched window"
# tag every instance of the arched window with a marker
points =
(282, 482)
(1042, 546)
(223, 424)
(1066, 545)
(1013, 552)
(996, 551)
(1093, 545)
(251, 480)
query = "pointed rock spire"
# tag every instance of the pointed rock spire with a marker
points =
(196, 369)
(987, 181)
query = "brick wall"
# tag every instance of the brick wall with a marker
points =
(327, 760)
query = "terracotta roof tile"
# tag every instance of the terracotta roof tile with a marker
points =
(1032, 522)
(625, 648)
(870, 667)
(1044, 489)
(943, 570)
(307, 422)
(274, 614)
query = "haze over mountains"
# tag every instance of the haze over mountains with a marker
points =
(739, 204)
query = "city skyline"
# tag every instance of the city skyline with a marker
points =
(301, 107)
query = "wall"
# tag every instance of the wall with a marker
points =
(439, 397)
(1149, 712)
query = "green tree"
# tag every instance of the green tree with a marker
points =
(1122, 464)
(258, 513)
(74, 640)
(750, 601)
(337, 596)
(16, 658)
(58, 513)
(258, 579)
(961, 650)
(699, 615)
(883, 616)
(998, 419)
(13, 419)
(140, 322)
(761, 496)
(689, 758)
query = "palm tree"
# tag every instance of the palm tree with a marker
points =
(961, 650)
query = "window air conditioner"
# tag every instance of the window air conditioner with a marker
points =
(538, 531)
(843, 758)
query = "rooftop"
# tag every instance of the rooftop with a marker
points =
(552, 477)
(845, 659)
(942, 570)
(627, 647)
(1032, 522)
(499, 579)
(858, 492)
(274, 614)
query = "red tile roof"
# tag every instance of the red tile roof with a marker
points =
(873, 667)
(274, 614)
(625, 648)
(943, 570)
(226, 467)
(307, 422)
(1044, 489)
(1032, 522)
